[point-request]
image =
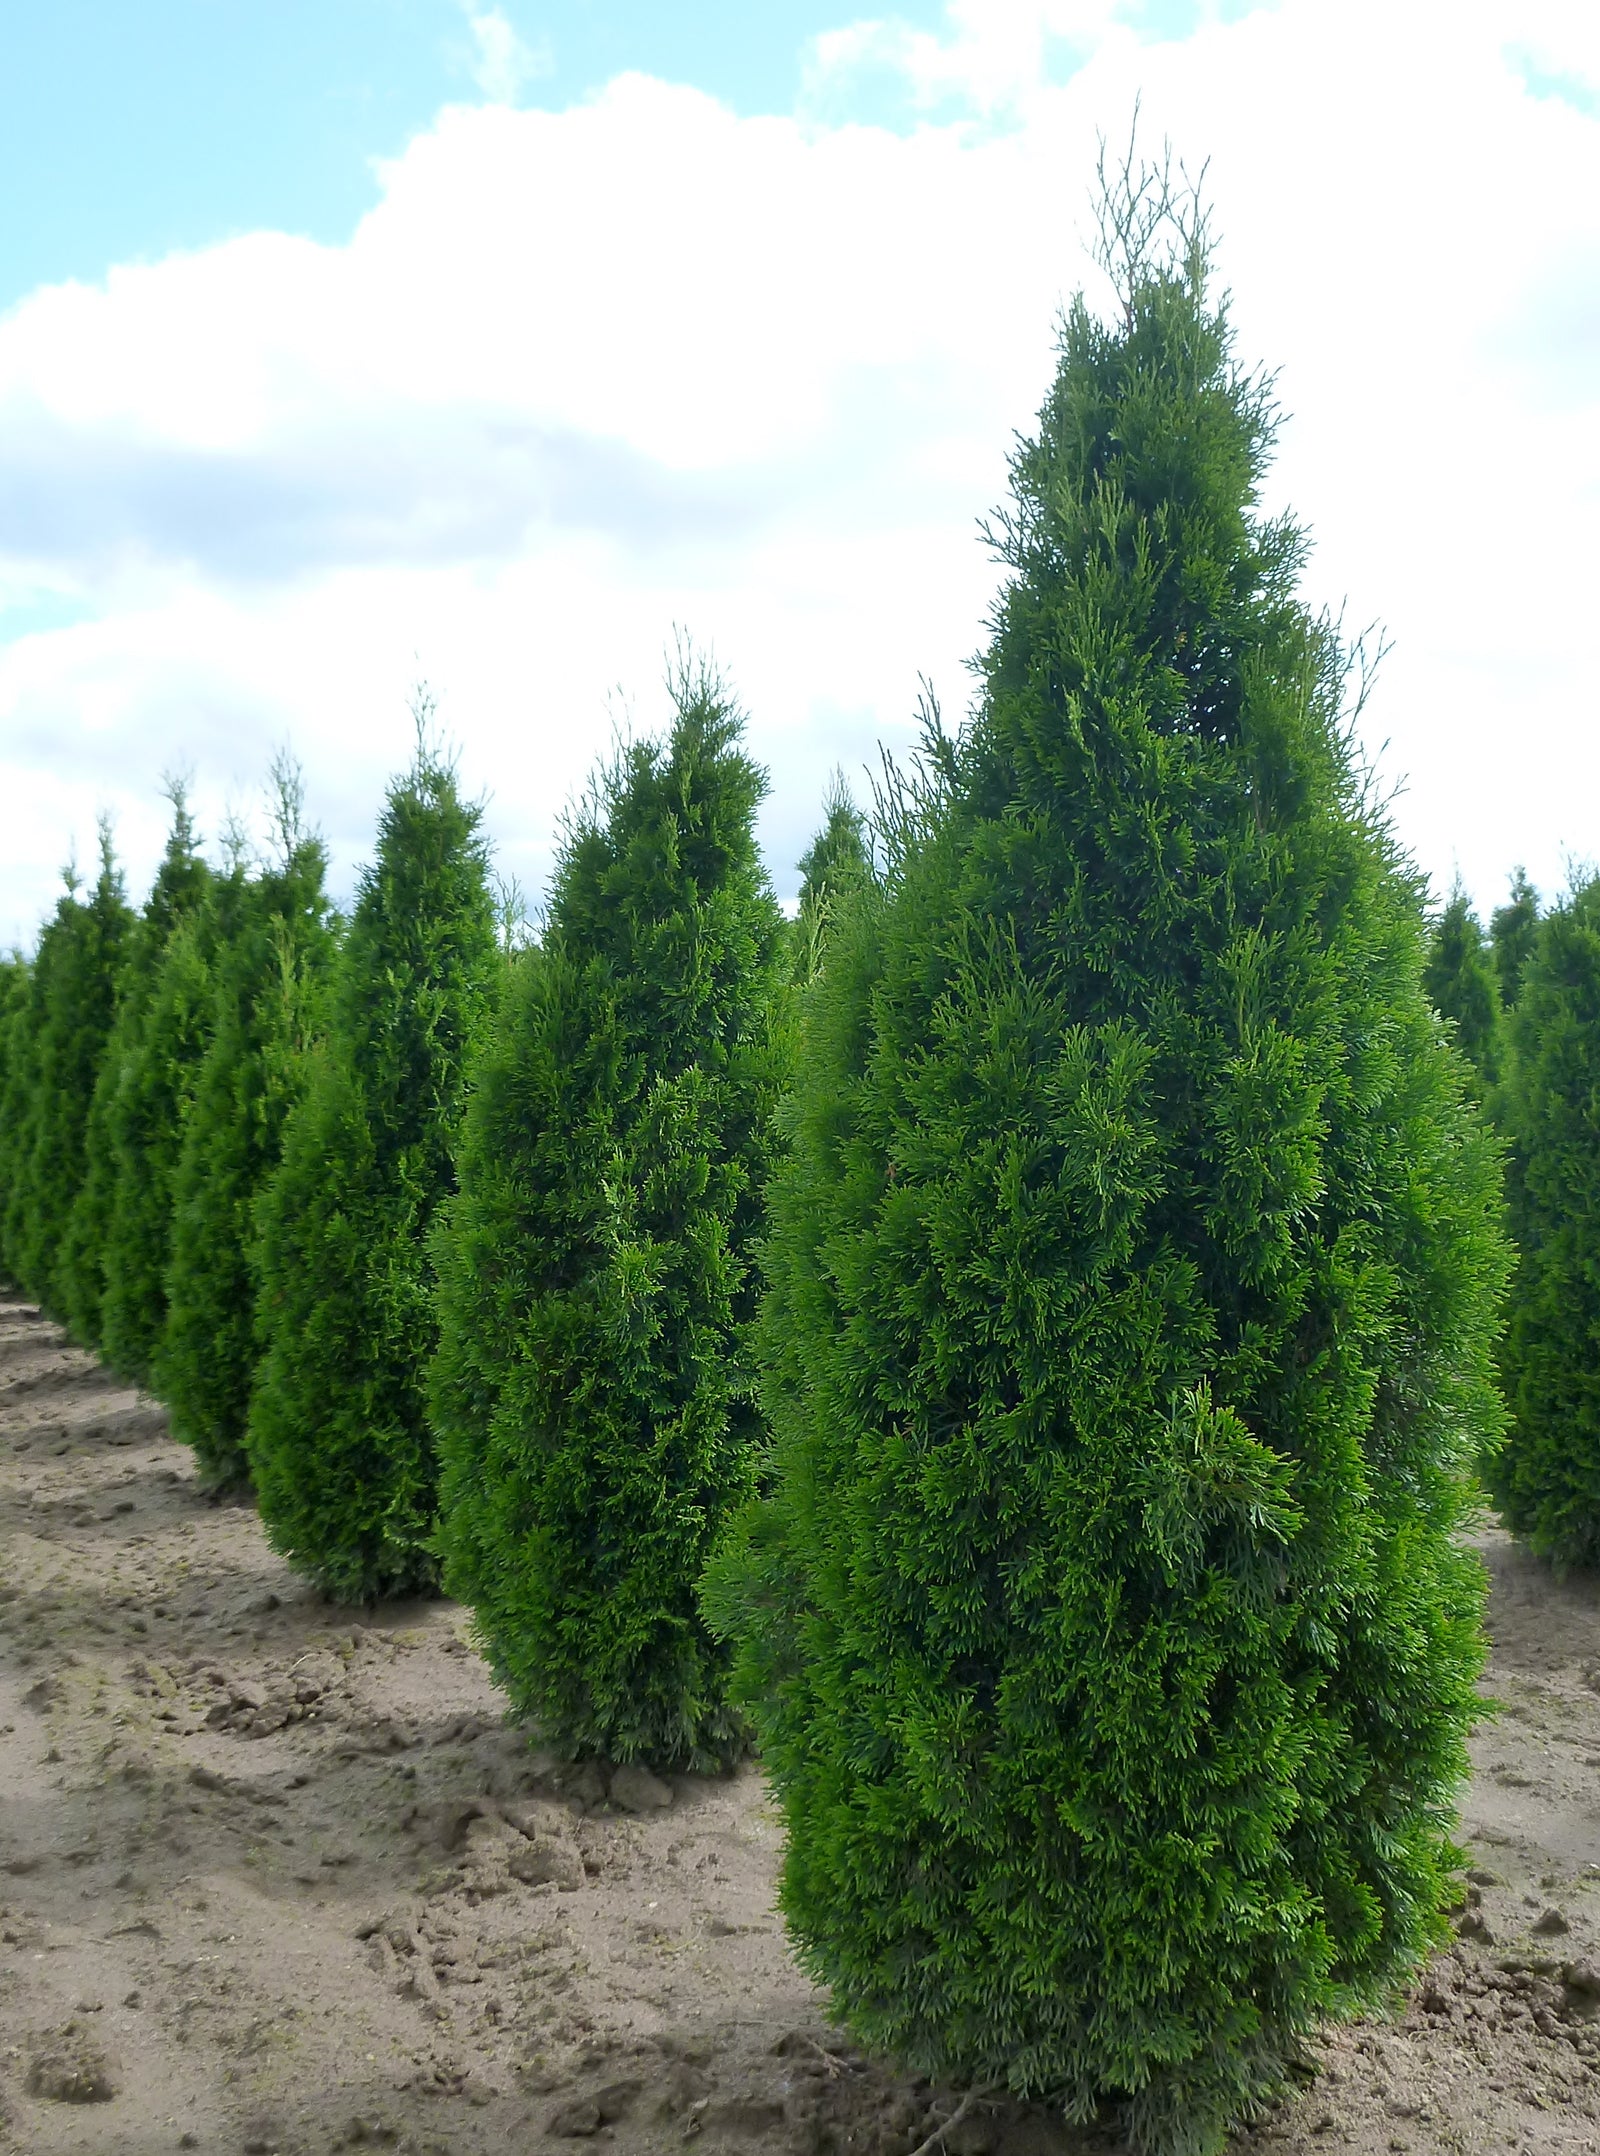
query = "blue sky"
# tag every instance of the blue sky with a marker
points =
(347, 342)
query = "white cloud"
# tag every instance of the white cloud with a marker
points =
(503, 64)
(584, 376)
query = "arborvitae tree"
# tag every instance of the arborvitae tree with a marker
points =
(1460, 979)
(338, 1439)
(151, 1112)
(1513, 931)
(18, 1108)
(1546, 1477)
(15, 983)
(270, 982)
(1132, 1298)
(78, 997)
(831, 867)
(180, 886)
(590, 1394)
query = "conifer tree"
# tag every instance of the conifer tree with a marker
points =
(19, 1104)
(338, 1439)
(1128, 1336)
(270, 979)
(1513, 932)
(830, 868)
(15, 1038)
(1462, 985)
(1546, 1476)
(180, 885)
(77, 985)
(151, 1113)
(590, 1396)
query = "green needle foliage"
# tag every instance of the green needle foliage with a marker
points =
(338, 1439)
(15, 1060)
(1547, 1475)
(150, 1114)
(1133, 1282)
(1462, 985)
(1513, 932)
(75, 983)
(832, 866)
(590, 1394)
(180, 886)
(271, 976)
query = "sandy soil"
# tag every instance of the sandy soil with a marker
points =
(273, 1880)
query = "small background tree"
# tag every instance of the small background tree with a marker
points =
(591, 1394)
(1513, 932)
(1546, 1477)
(270, 981)
(15, 1063)
(1132, 1296)
(831, 867)
(180, 886)
(338, 1440)
(1462, 985)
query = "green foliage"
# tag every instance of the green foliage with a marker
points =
(832, 866)
(338, 1437)
(1132, 1290)
(590, 1396)
(15, 1062)
(1546, 1477)
(1513, 931)
(1462, 985)
(180, 886)
(270, 978)
(74, 992)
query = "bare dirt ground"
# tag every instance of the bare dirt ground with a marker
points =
(272, 1880)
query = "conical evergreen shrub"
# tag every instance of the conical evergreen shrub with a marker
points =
(180, 886)
(1513, 932)
(591, 1396)
(76, 981)
(831, 867)
(15, 1058)
(1546, 1477)
(338, 1439)
(1132, 1297)
(1463, 986)
(270, 981)
(151, 1111)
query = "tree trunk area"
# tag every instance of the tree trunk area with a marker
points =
(275, 1879)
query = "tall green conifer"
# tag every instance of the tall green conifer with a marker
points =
(1513, 932)
(270, 981)
(591, 1394)
(831, 867)
(77, 982)
(1546, 1477)
(338, 1439)
(15, 1056)
(180, 886)
(1462, 985)
(1128, 1338)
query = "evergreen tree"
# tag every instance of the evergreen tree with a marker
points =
(338, 1438)
(151, 1112)
(1128, 1335)
(269, 984)
(590, 1396)
(15, 1057)
(1513, 932)
(180, 886)
(1546, 1477)
(18, 1111)
(830, 868)
(77, 983)
(1460, 979)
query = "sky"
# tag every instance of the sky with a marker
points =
(349, 345)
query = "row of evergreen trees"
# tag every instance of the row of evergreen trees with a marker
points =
(1019, 1340)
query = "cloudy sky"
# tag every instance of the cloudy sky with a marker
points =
(351, 342)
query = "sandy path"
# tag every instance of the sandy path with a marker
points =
(271, 1880)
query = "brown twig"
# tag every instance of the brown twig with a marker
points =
(935, 2140)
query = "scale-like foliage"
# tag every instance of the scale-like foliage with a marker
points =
(180, 886)
(1513, 932)
(1463, 986)
(831, 867)
(338, 1440)
(1546, 1477)
(15, 1060)
(270, 981)
(1132, 1296)
(80, 962)
(590, 1395)
(151, 1111)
